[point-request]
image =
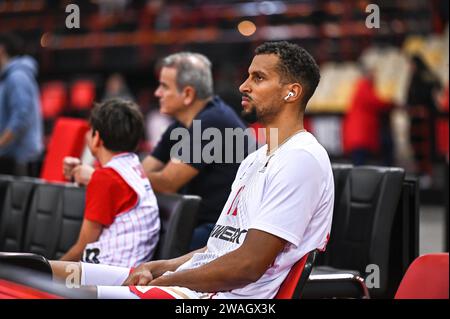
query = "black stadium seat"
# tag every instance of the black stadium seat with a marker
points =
(54, 220)
(340, 176)
(13, 218)
(72, 212)
(5, 180)
(362, 227)
(54, 225)
(43, 221)
(26, 260)
(178, 215)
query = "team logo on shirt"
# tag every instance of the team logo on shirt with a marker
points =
(227, 233)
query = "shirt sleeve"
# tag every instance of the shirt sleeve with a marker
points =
(162, 149)
(107, 196)
(291, 197)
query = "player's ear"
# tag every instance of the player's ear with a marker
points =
(295, 92)
(96, 139)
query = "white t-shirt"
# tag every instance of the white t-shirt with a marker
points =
(289, 194)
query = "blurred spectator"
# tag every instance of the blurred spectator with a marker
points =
(110, 7)
(20, 111)
(117, 88)
(362, 129)
(422, 109)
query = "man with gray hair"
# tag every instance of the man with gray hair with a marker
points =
(178, 162)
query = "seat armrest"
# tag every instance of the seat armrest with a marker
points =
(328, 282)
(27, 261)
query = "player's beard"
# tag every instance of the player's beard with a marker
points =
(250, 116)
(263, 116)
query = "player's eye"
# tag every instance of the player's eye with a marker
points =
(258, 78)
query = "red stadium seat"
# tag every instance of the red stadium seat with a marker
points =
(442, 142)
(292, 286)
(68, 139)
(426, 278)
(53, 99)
(82, 95)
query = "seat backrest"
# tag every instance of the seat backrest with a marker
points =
(54, 220)
(426, 278)
(292, 286)
(14, 214)
(404, 247)
(53, 99)
(178, 214)
(364, 219)
(44, 220)
(5, 180)
(67, 139)
(82, 94)
(340, 176)
(72, 213)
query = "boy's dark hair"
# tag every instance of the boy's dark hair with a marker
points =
(296, 65)
(12, 44)
(119, 123)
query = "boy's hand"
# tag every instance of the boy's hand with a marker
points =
(82, 174)
(69, 163)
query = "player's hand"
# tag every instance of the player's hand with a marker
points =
(82, 174)
(69, 163)
(141, 276)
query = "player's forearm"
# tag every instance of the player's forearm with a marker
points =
(74, 254)
(173, 264)
(222, 274)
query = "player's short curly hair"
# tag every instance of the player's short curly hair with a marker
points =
(295, 65)
(119, 123)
